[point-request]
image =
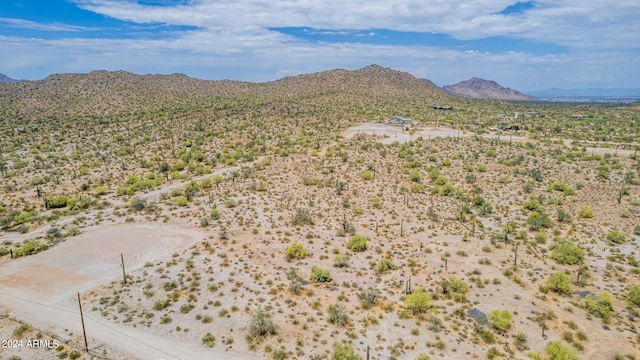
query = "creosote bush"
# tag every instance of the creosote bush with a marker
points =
(319, 275)
(295, 251)
(357, 243)
(559, 282)
(500, 319)
(261, 325)
(344, 351)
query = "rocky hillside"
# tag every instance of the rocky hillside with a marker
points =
(476, 88)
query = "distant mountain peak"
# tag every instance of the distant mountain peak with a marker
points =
(5, 79)
(477, 88)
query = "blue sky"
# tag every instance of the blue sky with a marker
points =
(529, 45)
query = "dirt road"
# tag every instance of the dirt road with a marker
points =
(42, 289)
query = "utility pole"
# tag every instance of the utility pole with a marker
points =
(124, 275)
(84, 333)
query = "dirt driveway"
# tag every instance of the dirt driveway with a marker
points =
(42, 289)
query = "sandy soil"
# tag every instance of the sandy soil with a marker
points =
(41, 289)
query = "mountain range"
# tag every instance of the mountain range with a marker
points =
(5, 79)
(474, 88)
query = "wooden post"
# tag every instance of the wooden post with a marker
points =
(124, 275)
(84, 333)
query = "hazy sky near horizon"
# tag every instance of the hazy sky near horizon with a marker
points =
(530, 45)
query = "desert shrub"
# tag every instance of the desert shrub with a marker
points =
(366, 175)
(261, 325)
(337, 315)
(557, 351)
(341, 260)
(423, 357)
(56, 202)
(344, 351)
(616, 236)
(458, 285)
(369, 297)
(564, 251)
(214, 214)
(101, 190)
(385, 265)
(585, 212)
(633, 295)
(320, 275)
(209, 340)
(559, 282)
(30, 247)
(73, 230)
(295, 251)
(357, 243)
(181, 200)
(600, 306)
(537, 220)
(500, 319)
(562, 187)
(562, 215)
(532, 205)
(418, 302)
(137, 203)
(302, 217)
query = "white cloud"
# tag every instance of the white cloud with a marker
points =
(26, 24)
(232, 40)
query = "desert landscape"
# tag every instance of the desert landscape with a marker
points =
(201, 219)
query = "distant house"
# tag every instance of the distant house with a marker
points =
(532, 113)
(578, 116)
(399, 121)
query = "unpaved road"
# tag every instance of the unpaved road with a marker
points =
(42, 289)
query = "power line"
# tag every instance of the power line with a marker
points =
(93, 319)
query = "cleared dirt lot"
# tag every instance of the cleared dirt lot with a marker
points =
(42, 289)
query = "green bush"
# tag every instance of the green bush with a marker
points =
(458, 285)
(357, 243)
(137, 203)
(181, 201)
(341, 260)
(562, 187)
(295, 251)
(532, 205)
(418, 302)
(557, 351)
(500, 319)
(319, 275)
(616, 236)
(261, 325)
(209, 340)
(633, 295)
(559, 282)
(537, 220)
(585, 212)
(385, 265)
(344, 351)
(564, 251)
(30, 247)
(600, 306)
(56, 202)
(366, 175)
(337, 315)
(302, 217)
